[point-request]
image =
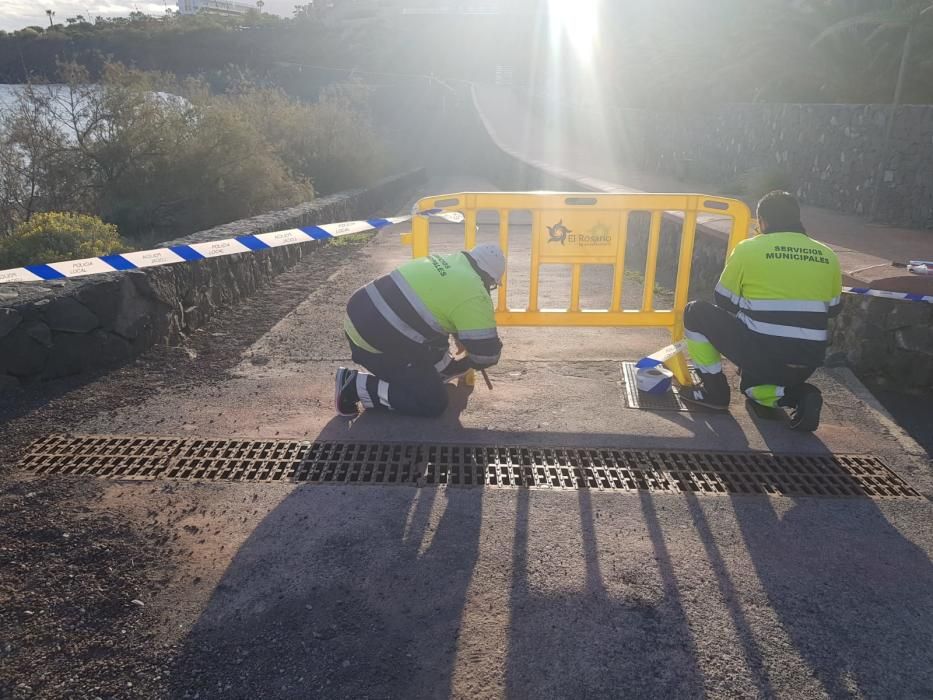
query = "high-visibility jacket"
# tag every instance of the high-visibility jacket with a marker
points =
(412, 311)
(784, 286)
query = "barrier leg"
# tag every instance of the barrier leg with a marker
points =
(678, 365)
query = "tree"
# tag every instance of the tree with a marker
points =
(38, 170)
(904, 18)
(160, 159)
(50, 13)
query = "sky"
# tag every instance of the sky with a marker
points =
(16, 14)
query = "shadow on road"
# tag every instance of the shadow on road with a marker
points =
(348, 592)
(851, 591)
(338, 594)
(853, 594)
(580, 641)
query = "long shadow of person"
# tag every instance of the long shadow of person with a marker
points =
(570, 637)
(625, 636)
(341, 592)
(851, 591)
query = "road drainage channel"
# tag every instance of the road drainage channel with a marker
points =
(620, 470)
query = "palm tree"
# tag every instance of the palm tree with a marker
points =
(51, 14)
(259, 4)
(904, 17)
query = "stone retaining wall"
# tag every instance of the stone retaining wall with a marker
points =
(887, 339)
(831, 152)
(55, 329)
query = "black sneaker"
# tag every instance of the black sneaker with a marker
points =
(764, 412)
(701, 397)
(345, 397)
(805, 416)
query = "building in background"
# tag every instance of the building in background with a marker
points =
(451, 7)
(219, 7)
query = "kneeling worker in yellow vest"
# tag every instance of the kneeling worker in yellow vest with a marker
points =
(772, 304)
(399, 328)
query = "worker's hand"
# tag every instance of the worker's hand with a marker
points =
(457, 368)
(457, 351)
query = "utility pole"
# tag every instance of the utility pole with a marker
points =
(892, 112)
(889, 122)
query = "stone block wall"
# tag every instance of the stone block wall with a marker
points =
(60, 328)
(888, 339)
(830, 152)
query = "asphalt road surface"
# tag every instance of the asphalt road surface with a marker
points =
(175, 589)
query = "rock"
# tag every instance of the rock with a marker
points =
(40, 332)
(9, 319)
(906, 313)
(917, 339)
(102, 298)
(910, 370)
(20, 354)
(135, 312)
(9, 385)
(69, 316)
(74, 353)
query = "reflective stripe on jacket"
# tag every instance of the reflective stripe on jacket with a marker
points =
(416, 307)
(785, 286)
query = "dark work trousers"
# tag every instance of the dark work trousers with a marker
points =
(414, 386)
(750, 351)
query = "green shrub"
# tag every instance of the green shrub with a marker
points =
(57, 236)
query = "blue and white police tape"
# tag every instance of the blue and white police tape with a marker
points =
(905, 296)
(209, 249)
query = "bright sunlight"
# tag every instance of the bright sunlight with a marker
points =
(578, 20)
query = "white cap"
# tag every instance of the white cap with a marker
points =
(490, 259)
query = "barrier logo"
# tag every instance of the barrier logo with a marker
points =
(558, 232)
(598, 236)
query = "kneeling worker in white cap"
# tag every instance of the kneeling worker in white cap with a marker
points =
(399, 328)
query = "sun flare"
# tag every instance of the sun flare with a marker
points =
(578, 21)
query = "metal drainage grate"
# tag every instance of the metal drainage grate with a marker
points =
(463, 465)
(668, 401)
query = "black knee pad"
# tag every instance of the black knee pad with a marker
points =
(694, 312)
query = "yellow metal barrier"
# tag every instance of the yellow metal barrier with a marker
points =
(585, 228)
